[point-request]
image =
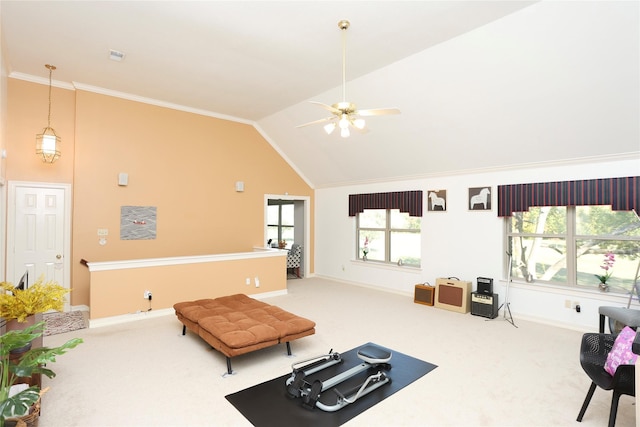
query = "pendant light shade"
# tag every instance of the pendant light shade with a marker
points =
(47, 142)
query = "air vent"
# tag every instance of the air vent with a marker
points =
(115, 55)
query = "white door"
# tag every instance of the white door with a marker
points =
(38, 232)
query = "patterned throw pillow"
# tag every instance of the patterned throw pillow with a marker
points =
(621, 353)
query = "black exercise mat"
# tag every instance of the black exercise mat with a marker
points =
(268, 404)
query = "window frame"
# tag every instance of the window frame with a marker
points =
(388, 231)
(280, 226)
(571, 257)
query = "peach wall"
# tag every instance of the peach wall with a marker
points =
(182, 163)
(27, 111)
(3, 115)
(116, 292)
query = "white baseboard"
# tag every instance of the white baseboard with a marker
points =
(366, 285)
(268, 294)
(543, 321)
(131, 317)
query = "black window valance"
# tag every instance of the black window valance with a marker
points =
(622, 194)
(405, 201)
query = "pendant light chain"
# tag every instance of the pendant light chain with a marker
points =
(51, 68)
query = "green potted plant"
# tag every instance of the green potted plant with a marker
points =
(31, 362)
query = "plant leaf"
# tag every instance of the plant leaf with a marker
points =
(18, 405)
(15, 339)
(43, 355)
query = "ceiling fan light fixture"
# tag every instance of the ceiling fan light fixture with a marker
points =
(345, 113)
(329, 128)
(344, 122)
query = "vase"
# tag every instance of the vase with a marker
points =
(17, 353)
(14, 325)
(603, 287)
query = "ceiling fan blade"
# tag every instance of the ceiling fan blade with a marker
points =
(327, 107)
(360, 130)
(377, 112)
(326, 119)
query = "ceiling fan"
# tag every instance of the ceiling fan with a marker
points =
(345, 114)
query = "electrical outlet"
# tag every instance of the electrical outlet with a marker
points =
(257, 282)
(248, 281)
(147, 295)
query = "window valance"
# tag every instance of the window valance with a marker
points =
(405, 201)
(622, 194)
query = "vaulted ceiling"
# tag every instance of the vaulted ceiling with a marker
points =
(481, 84)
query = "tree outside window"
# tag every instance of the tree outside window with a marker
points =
(569, 245)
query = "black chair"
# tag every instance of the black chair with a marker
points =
(294, 259)
(593, 355)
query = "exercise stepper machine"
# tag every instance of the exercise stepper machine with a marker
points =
(373, 358)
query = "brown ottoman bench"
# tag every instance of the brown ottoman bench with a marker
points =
(238, 324)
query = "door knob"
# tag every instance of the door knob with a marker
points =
(58, 256)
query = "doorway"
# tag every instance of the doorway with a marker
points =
(39, 232)
(295, 226)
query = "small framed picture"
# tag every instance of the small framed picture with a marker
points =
(437, 201)
(480, 198)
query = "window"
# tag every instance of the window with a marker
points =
(280, 225)
(388, 235)
(568, 246)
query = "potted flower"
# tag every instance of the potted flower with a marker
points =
(607, 266)
(20, 304)
(31, 362)
(365, 248)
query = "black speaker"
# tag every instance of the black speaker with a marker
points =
(485, 286)
(484, 305)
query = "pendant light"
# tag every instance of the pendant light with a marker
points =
(47, 142)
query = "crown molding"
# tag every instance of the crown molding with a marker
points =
(634, 155)
(127, 96)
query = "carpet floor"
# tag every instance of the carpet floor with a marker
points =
(490, 374)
